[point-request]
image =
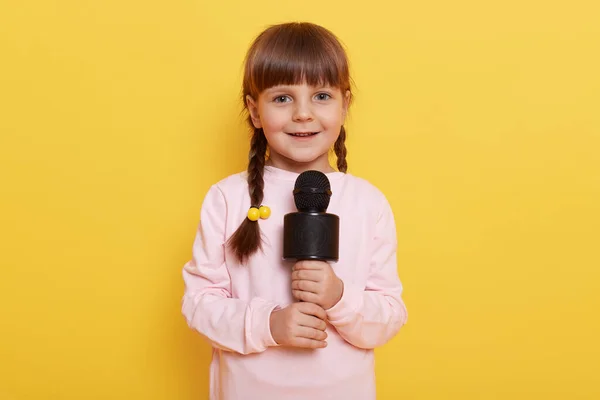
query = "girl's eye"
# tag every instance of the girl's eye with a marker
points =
(323, 96)
(281, 99)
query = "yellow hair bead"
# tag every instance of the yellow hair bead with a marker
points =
(265, 212)
(253, 214)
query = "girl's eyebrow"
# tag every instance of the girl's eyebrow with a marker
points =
(273, 90)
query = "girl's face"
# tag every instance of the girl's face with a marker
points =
(301, 123)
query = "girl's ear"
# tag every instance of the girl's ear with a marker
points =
(253, 110)
(346, 104)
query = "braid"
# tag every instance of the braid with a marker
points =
(256, 167)
(340, 151)
(246, 240)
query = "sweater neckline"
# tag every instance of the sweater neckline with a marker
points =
(282, 174)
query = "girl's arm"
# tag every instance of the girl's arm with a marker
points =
(227, 323)
(369, 316)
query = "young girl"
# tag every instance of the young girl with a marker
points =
(239, 293)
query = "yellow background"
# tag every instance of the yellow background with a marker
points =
(479, 120)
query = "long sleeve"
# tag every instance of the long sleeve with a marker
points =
(227, 323)
(368, 317)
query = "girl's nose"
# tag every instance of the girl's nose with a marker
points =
(302, 112)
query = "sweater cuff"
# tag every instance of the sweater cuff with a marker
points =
(346, 308)
(259, 331)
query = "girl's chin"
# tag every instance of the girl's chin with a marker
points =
(318, 163)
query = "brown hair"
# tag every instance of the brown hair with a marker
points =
(286, 54)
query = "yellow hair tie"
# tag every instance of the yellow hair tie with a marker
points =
(262, 212)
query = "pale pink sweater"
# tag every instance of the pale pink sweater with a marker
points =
(229, 304)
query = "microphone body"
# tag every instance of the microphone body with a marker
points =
(311, 236)
(311, 233)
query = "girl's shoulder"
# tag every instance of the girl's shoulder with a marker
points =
(231, 186)
(363, 188)
(357, 194)
(232, 181)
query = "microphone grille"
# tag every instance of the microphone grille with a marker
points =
(312, 191)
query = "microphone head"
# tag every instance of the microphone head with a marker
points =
(312, 192)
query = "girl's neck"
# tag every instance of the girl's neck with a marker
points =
(320, 164)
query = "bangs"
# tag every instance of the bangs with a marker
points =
(295, 54)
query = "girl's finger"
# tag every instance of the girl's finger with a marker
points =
(306, 286)
(307, 275)
(309, 265)
(312, 309)
(305, 296)
(312, 322)
(308, 343)
(311, 333)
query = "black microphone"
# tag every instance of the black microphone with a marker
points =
(311, 233)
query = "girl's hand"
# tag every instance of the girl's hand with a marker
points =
(299, 325)
(315, 282)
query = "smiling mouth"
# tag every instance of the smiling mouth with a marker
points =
(303, 134)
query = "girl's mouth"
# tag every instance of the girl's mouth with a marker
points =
(303, 134)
